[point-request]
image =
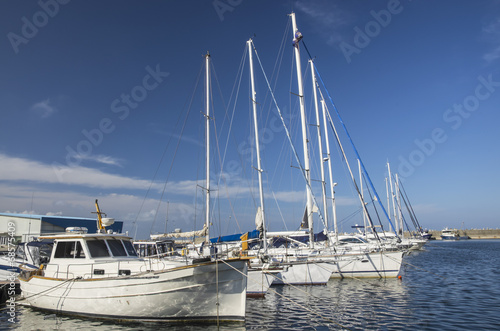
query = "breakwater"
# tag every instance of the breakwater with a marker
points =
(471, 233)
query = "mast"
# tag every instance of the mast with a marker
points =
(393, 203)
(388, 201)
(309, 205)
(400, 215)
(362, 197)
(332, 184)
(207, 146)
(320, 142)
(100, 226)
(257, 146)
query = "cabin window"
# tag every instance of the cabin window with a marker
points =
(69, 250)
(20, 252)
(116, 247)
(97, 248)
(130, 248)
(79, 252)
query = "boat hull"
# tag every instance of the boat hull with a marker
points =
(258, 282)
(304, 273)
(197, 292)
(383, 264)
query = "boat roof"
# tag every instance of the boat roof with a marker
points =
(74, 235)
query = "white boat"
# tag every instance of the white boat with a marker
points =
(449, 234)
(28, 254)
(307, 272)
(381, 264)
(260, 278)
(100, 275)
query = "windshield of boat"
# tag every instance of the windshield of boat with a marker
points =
(97, 248)
(40, 252)
(69, 250)
(118, 248)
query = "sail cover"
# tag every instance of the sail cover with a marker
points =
(199, 233)
(259, 224)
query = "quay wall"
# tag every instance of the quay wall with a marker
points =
(472, 233)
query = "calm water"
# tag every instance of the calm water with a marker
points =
(449, 286)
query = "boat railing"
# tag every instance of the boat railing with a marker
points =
(103, 269)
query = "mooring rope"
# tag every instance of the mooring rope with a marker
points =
(293, 302)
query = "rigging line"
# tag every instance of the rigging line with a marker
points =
(350, 170)
(221, 176)
(374, 206)
(175, 154)
(411, 208)
(351, 141)
(279, 210)
(165, 151)
(278, 62)
(408, 209)
(400, 208)
(290, 140)
(50, 288)
(221, 159)
(230, 134)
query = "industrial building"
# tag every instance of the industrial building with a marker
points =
(24, 226)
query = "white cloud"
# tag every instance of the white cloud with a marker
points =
(291, 196)
(43, 108)
(104, 159)
(327, 17)
(491, 35)
(20, 169)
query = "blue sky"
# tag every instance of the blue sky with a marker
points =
(94, 97)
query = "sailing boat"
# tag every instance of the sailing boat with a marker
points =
(342, 259)
(100, 275)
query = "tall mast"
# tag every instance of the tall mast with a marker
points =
(388, 201)
(332, 184)
(207, 146)
(320, 142)
(400, 215)
(257, 146)
(362, 196)
(393, 203)
(309, 206)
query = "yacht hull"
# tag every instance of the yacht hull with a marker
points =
(304, 273)
(383, 264)
(209, 291)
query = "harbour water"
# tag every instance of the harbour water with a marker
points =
(448, 286)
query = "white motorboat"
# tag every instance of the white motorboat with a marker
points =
(449, 234)
(100, 275)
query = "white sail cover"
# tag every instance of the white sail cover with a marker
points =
(259, 224)
(199, 233)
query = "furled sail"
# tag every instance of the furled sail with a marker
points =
(199, 233)
(259, 224)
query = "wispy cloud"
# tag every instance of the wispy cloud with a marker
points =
(43, 108)
(491, 35)
(328, 17)
(104, 159)
(20, 169)
(291, 196)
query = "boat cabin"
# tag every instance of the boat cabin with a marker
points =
(80, 255)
